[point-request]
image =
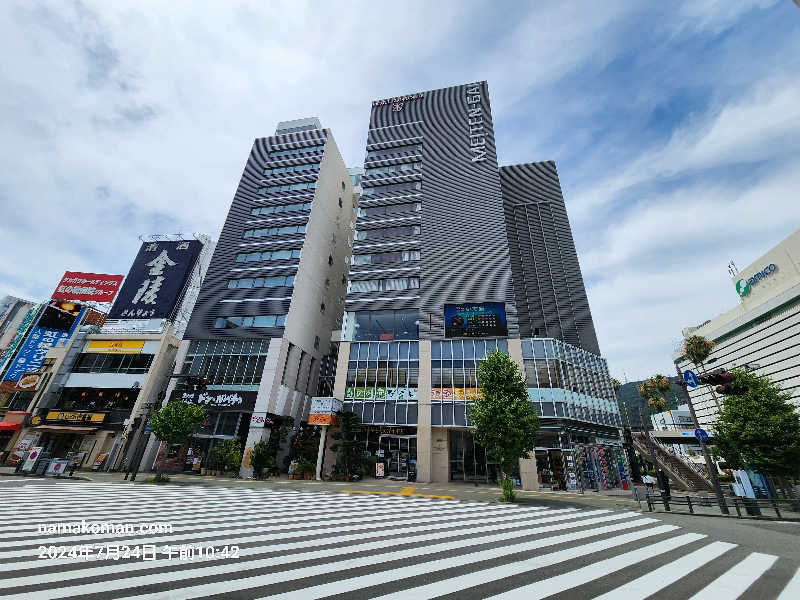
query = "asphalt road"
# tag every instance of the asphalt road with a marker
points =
(288, 542)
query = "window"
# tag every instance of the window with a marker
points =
(250, 233)
(294, 129)
(389, 209)
(394, 187)
(243, 362)
(281, 208)
(394, 150)
(388, 232)
(292, 169)
(382, 325)
(374, 285)
(274, 255)
(293, 187)
(257, 282)
(305, 150)
(254, 321)
(397, 169)
(113, 363)
(386, 257)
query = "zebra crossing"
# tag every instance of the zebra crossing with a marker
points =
(66, 540)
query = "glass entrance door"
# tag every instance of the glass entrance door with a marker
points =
(400, 453)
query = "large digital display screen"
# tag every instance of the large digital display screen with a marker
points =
(480, 319)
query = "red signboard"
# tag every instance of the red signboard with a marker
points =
(88, 286)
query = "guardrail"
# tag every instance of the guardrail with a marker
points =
(746, 508)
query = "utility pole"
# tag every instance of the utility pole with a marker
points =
(712, 468)
(137, 455)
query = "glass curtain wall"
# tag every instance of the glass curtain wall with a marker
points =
(382, 380)
(235, 364)
(454, 382)
(568, 382)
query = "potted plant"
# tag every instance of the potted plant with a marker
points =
(306, 468)
(259, 458)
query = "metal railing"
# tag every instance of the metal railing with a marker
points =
(746, 508)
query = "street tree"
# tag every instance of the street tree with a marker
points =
(759, 429)
(506, 424)
(697, 349)
(175, 423)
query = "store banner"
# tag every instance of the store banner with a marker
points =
(219, 400)
(88, 286)
(115, 346)
(56, 324)
(76, 417)
(29, 382)
(156, 280)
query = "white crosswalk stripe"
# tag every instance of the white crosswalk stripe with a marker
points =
(297, 545)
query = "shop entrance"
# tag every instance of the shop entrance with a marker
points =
(400, 453)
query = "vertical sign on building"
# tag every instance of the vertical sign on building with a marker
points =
(156, 281)
(56, 324)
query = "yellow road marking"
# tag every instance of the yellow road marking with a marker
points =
(406, 491)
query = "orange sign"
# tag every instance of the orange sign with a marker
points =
(321, 419)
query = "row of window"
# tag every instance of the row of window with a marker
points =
(394, 150)
(394, 169)
(225, 369)
(246, 347)
(274, 231)
(385, 257)
(388, 232)
(254, 321)
(274, 255)
(394, 187)
(385, 285)
(255, 282)
(288, 188)
(295, 129)
(113, 363)
(280, 208)
(291, 169)
(382, 325)
(97, 399)
(389, 209)
(290, 151)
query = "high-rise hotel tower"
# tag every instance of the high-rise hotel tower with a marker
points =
(455, 256)
(274, 290)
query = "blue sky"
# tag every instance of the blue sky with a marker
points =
(675, 127)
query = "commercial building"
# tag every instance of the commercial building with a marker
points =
(762, 332)
(94, 390)
(455, 257)
(274, 291)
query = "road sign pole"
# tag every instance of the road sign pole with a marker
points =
(321, 451)
(712, 468)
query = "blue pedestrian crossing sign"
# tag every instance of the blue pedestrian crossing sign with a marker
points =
(691, 379)
(701, 434)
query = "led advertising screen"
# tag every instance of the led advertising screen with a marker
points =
(479, 319)
(156, 280)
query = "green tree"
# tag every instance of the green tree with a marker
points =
(175, 423)
(259, 458)
(506, 424)
(759, 429)
(347, 445)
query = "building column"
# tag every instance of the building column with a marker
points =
(424, 431)
(440, 455)
(527, 466)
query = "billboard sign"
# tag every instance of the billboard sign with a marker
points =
(29, 382)
(56, 324)
(479, 319)
(156, 280)
(87, 286)
(115, 346)
(220, 400)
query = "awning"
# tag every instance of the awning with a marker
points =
(10, 426)
(65, 429)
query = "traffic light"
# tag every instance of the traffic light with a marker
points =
(723, 380)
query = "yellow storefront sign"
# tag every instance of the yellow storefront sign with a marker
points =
(116, 346)
(55, 415)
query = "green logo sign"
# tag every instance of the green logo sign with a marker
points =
(743, 287)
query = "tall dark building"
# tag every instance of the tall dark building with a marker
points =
(454, 257)
(275, 287)
(548, 285)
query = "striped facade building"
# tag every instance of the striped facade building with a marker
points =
(455, 256)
